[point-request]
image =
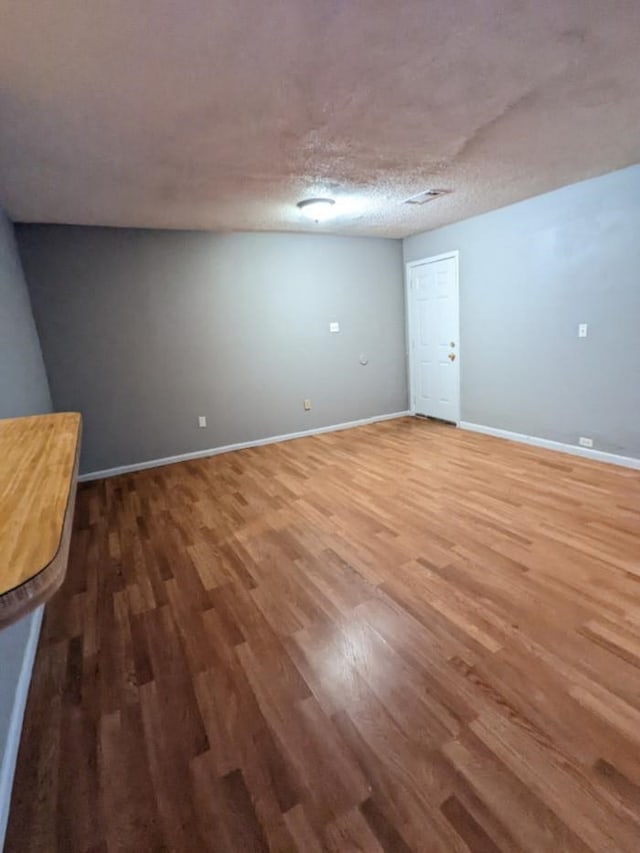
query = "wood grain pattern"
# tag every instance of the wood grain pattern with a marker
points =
(399, 637)
(38, 478)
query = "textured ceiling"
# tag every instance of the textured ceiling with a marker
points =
(222, 115)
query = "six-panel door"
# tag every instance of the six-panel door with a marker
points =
(435, 345)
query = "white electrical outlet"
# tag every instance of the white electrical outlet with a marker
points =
(582, 330)
(334, 327)
(202, 421)
(585, 442)
(307, 405)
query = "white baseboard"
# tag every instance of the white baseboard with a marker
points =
(227, 448)
(8, 759)
(586, 452)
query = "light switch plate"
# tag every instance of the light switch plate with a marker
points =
(334, 327)
(582, 330)
(202, 421)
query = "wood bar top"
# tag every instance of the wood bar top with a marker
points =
(38, 473)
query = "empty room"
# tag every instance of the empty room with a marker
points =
(319, 426)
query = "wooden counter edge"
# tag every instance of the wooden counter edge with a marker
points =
(17, 602)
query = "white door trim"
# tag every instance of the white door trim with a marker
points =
(455, 254)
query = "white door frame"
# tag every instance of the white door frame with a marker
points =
(410, 320)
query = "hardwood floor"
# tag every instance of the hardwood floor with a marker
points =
(399, 637)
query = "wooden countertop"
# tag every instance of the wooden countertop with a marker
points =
(38, 473)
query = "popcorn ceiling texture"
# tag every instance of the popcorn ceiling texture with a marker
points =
(222, 115)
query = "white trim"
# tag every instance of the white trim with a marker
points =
(574, 450)
(228, 448)
(409, 266)
(8, 760)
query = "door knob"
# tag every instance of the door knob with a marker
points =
(452, 356)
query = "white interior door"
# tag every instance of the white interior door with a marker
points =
(435, 344)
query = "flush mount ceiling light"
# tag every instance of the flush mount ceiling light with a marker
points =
(317, 209)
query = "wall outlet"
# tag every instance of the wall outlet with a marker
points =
(307, 405)
(334, 328)
(582, 330)
(585, 442)
(202, 421)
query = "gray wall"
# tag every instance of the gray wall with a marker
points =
(23, 382)
(529, 273)
(23, 391)
(143, 331)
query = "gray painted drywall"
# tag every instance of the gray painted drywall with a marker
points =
(143, 331)
(529, 274)
(23, 381)
(23, 391)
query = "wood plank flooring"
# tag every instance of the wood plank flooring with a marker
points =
(399, 637)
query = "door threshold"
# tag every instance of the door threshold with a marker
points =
(435, 420)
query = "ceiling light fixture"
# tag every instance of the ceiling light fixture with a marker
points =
(317, 209)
